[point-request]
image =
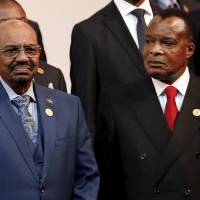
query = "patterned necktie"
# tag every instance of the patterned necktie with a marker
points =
(171, 110)
(141, 27)
(22, 103)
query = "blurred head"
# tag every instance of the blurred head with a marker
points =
(10, 9)
(169, 45)
(135, 2)
(19, 54)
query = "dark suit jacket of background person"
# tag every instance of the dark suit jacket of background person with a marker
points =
(195, 16)
(138, 157)
(103, 53)
(50, 75)
(69, 170)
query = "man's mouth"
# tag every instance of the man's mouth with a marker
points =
(156, 63)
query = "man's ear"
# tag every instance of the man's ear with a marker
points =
(190, 49)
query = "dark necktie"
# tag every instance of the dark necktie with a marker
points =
(141, 27)
(22, 103)
(171, 110)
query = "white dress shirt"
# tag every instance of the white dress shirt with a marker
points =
(180, 84)
(32, 106)
(130, 20)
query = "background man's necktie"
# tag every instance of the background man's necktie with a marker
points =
(22, 103)
(164, 4)
(171, 110)
(141, 27)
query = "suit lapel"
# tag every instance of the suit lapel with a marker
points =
(15, 129)
(154, 6)
(187, 126)
(148, 112)
(47, 113)
(114, 23)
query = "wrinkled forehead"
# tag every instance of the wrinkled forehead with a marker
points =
(16, 32)
(170, 23)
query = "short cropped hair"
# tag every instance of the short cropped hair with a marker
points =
(189, 26)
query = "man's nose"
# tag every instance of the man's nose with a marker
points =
(22, 56)
(156, 49)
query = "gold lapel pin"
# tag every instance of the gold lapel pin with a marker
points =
(196, 112)
(185, 8)
(50, 101)
(40, 70)
(49, 112)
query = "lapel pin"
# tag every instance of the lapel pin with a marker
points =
(40, 70)
(50, 85)
(196, 112)
(50, 101)
(49, 112)
(185, 8)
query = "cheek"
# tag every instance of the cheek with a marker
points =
(35, 62)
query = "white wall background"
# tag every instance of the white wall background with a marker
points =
(56, 20)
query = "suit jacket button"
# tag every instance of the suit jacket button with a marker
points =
(143, 156)
(198, 154)
(187, 192)
(156, 191)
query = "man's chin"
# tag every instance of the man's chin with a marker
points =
(23, 80)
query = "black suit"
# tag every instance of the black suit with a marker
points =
(103, 53)
(195, 16)
(49, 75)
(138, 157)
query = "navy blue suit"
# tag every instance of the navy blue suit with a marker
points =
(69, 170)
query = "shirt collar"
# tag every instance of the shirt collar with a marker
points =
(125, 7)
(11, 93)
(181, 84)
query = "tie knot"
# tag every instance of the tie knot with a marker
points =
(171, 92)
(139, 13)
(21, 101)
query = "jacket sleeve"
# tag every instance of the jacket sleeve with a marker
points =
(86, 173)
(83, 73)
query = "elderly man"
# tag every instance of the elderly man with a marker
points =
(47, 75)
(148, 137)
(45, 145)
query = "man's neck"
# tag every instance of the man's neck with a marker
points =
(135, 3)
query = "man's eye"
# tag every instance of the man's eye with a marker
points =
(169, 43)
(30, 50)
(11, 51)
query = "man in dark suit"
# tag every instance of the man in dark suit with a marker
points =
(45, 145)
(47, 75)
(104, 52)
(144, 150)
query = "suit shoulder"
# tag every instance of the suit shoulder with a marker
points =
(56, 94)
(96, 17)
(134, 90)
(49, 68)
